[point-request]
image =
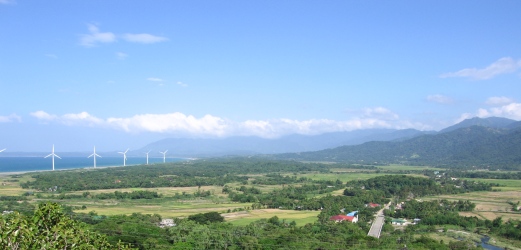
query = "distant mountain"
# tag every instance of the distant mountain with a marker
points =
(198, 147)
(490, 122)
(469, 145)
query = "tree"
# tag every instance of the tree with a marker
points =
(49, 228)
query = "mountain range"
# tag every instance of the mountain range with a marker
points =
(481, 143)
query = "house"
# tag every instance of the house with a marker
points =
(341, 217)
(399, 222)
(372, 205)
(167, 223)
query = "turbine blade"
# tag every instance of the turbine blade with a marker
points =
(57, 156)
(48, 156)
(3, 150)
(90, 156)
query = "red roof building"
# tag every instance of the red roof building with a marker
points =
(341, 217)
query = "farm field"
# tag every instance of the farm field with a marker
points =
(490, 205)
(246, 217)
(396, 167)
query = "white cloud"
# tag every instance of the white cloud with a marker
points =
(182, 84)
(95, 36)
(504, 65)
(213, 126)
(143, 38)
(380, 113)
(511, 111)
(82, 118)
(499, 100)
(154, 79)
(10, 118)
(121, 55)
(439, 99)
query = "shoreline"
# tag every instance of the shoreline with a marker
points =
(2, 174)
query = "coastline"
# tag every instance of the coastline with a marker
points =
(3, 174)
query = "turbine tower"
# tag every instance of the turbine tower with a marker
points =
(124, 157)
(94, 155)
(164, 155)
(147, 155)
(53, 155)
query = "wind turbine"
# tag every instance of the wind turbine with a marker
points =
(164, 155)
(53, 155)
(124, 157)
(147, 155)
(94, 155)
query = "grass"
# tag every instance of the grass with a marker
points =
(246, 217)
(165, 208)
(397, 167)
(9, 188)
(490, 205)
(342, 176)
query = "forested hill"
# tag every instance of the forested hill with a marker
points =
(478, 146)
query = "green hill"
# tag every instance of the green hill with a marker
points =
(479, 146)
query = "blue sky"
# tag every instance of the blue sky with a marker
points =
(124, 73)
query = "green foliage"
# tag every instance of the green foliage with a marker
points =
(139, 230)
(196, 173)
(206, 218)
(466, 147)
(403, 187)
(49, 228)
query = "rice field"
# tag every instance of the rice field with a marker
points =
(246, 217)
(490, 205)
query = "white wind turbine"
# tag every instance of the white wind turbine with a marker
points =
(124, 157)
(53, 155)
(164, 155)
(147, 155)
(94, 155)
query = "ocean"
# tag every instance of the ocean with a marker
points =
(23, 164)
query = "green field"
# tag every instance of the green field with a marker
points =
(396, 167)
(246, 217)
(490, 205)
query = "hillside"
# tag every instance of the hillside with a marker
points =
(478, 146)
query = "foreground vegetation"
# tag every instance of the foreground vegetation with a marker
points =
(259, 204)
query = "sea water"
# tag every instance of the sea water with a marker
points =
(23, 164)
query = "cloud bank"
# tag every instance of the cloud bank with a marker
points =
(212, 126)
(504, 65)
(510, 110)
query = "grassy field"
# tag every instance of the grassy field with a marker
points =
(246, 217)
(344, 177)
(490, 205)
(164, 207)
(10, 188)
(396, 167)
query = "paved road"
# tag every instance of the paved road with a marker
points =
(378, 223)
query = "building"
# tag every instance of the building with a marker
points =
(372, 205)
(399, 222)
(341, 217)
(167, 223)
